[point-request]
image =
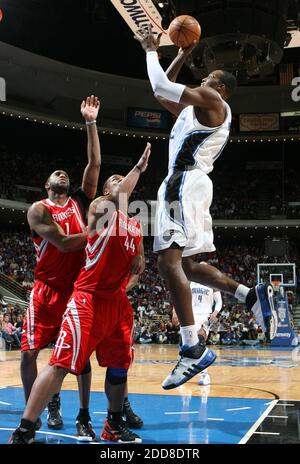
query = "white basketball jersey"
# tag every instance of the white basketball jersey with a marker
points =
(202, 299)
(193, 145)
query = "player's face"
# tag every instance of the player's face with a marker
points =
(58, 182)
(213, 80)
(112, 184)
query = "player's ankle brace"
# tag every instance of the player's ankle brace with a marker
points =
(116, 376)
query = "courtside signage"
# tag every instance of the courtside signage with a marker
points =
(140, 13)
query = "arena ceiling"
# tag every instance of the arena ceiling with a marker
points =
(92, 34)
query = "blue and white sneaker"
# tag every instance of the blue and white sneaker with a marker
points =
(192, 361)
(260, 301)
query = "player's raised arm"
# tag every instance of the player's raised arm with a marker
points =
(89, 110)
(127, 185)
(162, 86)
(172, 74)
(41, 222)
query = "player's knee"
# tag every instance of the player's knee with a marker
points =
(29, 356)
(188, 265)
(165, 266)
(87, 369)
(59, 371)
(116, 376)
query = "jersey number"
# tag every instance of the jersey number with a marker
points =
(130, 245)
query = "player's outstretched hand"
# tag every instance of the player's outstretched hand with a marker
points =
(90, 108)
(143, 161)
(147, 40)
(188, 50)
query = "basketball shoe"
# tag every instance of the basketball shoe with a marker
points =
(84, 429)
(119, 432)
(193, 360)
(54, 419)
(260, 301)
(132, 420)
(204, 378)
(22, 437)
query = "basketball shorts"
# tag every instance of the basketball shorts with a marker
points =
(92, 323)
(43, 316)
(182, 213)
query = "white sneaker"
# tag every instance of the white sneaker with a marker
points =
(204, 379)
(192, 361)
(260, 301)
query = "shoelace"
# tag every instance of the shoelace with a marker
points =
(53, 406)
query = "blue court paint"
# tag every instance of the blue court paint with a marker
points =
(209, 420)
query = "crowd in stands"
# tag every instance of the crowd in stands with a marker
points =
(150, 298)
(239, 192)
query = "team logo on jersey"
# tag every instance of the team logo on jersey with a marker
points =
(168, 235)
(60, 343)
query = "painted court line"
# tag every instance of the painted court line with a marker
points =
(266, 433)
(278, 417)
(257, 423)
(239, 409)
(285, 404)
(182, 412)
(6, 404)
(99, 412)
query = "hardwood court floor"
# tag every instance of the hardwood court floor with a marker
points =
(237, 373)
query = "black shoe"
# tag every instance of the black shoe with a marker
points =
(119, 432)
(22, 438)
(54, 419)
(85, 430)
(133, 420)
(37, 424)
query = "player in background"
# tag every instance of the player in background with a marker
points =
(58, 230)
(99, 316)
(183, 225)
(207, 303)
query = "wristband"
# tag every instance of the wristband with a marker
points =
(89, 123)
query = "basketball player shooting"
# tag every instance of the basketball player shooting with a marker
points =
(183, 222)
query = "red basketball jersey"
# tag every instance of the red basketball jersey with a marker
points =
(55, 268)
(109, 256)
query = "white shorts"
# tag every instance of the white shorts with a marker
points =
(188, 222)
(201, 320)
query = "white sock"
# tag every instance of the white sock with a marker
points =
(204, 372)
(241, 293)
(189, 335)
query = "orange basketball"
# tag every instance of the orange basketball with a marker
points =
(183, 30)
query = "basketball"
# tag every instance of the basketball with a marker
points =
(183, 30)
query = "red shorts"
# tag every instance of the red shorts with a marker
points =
(93, 323)
(44, 316)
